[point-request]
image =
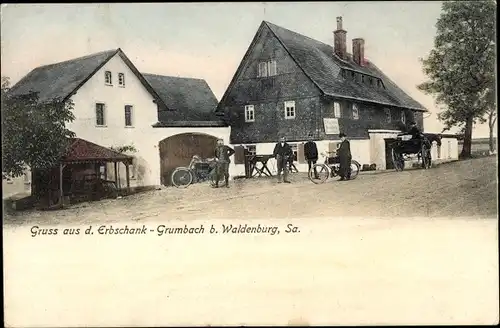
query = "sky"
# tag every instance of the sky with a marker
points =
(208, 40)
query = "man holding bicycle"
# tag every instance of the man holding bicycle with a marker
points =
(222, 153)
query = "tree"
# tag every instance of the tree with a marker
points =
(34, 134)
(459, 67)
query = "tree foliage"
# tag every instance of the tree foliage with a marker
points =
(461, 66)
(34, 134)
(124, 149)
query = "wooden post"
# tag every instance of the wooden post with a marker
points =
(128, 177)
(116, 175)
(61, 190)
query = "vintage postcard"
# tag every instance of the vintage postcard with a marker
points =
(249, 164)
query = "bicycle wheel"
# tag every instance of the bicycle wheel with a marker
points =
(322, 171)
(182, 177)
(355, 168)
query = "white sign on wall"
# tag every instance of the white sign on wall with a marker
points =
(331, 125)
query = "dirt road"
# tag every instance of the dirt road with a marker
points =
(460, 189)
(386, 267)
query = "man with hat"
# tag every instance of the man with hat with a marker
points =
(344, 154)
(282, 152)
(414, 131)
(311, 154)
(222, 153)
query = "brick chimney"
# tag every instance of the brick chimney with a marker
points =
(358, 51)
(339, 37)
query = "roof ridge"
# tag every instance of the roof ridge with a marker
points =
(175, 77)
(78, 58)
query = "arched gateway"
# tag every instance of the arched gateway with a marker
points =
(178, 150)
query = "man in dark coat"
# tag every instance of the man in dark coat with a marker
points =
(344, 154)
(311, 155)
(222, 153)
(282, 152)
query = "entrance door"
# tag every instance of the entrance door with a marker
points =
(389, 165)
(178, 151)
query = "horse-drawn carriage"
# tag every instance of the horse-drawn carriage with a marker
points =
(406, 146)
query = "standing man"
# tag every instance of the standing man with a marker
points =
(222, 153)
(311, 155)
(344, 153)
(282, 152)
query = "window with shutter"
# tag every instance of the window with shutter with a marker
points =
(336, 110)
(272, 67)
(239, 155)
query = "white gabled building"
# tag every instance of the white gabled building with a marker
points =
(115, 105)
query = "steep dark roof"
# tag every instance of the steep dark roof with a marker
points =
(318, 61)
(191, 99)
(62, 80)
(81, 150)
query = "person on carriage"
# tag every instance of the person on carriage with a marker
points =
(344, 154)
(414, 131)
(222, 153)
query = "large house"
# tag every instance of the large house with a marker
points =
(167, 119)
(290, 85)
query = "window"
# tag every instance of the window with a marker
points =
(252, 149)
(128, 115)
(107, 78)
(353, 75)
(336, 110)
(271, 67)
(370, 80)
(262, 69)
(295, 151)
(362, 79)
(249, 113)
(289, 109)
(388, 115)
(121, 79)
(355, 112)
(267, 68)
(403, 117)
(99, 114)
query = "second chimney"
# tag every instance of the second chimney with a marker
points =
(358, 51)
(339, 38)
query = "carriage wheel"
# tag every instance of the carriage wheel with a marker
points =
(425, 153)
(398, 160)
(323, 173)
(355, 168)
(182, 177)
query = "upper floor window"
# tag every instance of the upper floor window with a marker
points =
(128, 115)
(336, 110)
(289, 109)
(370, 80)
(403, 117)
(121, 79)
(100, 117)
(267, 68)
(388, 117)
(249, 113)
(108, 78)
(355, 112)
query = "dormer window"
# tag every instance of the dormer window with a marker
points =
(362, 79)
(370, 80)
(108, 78)
(353, 75)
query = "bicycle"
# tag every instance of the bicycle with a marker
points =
(331, 168)
(198, 170)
